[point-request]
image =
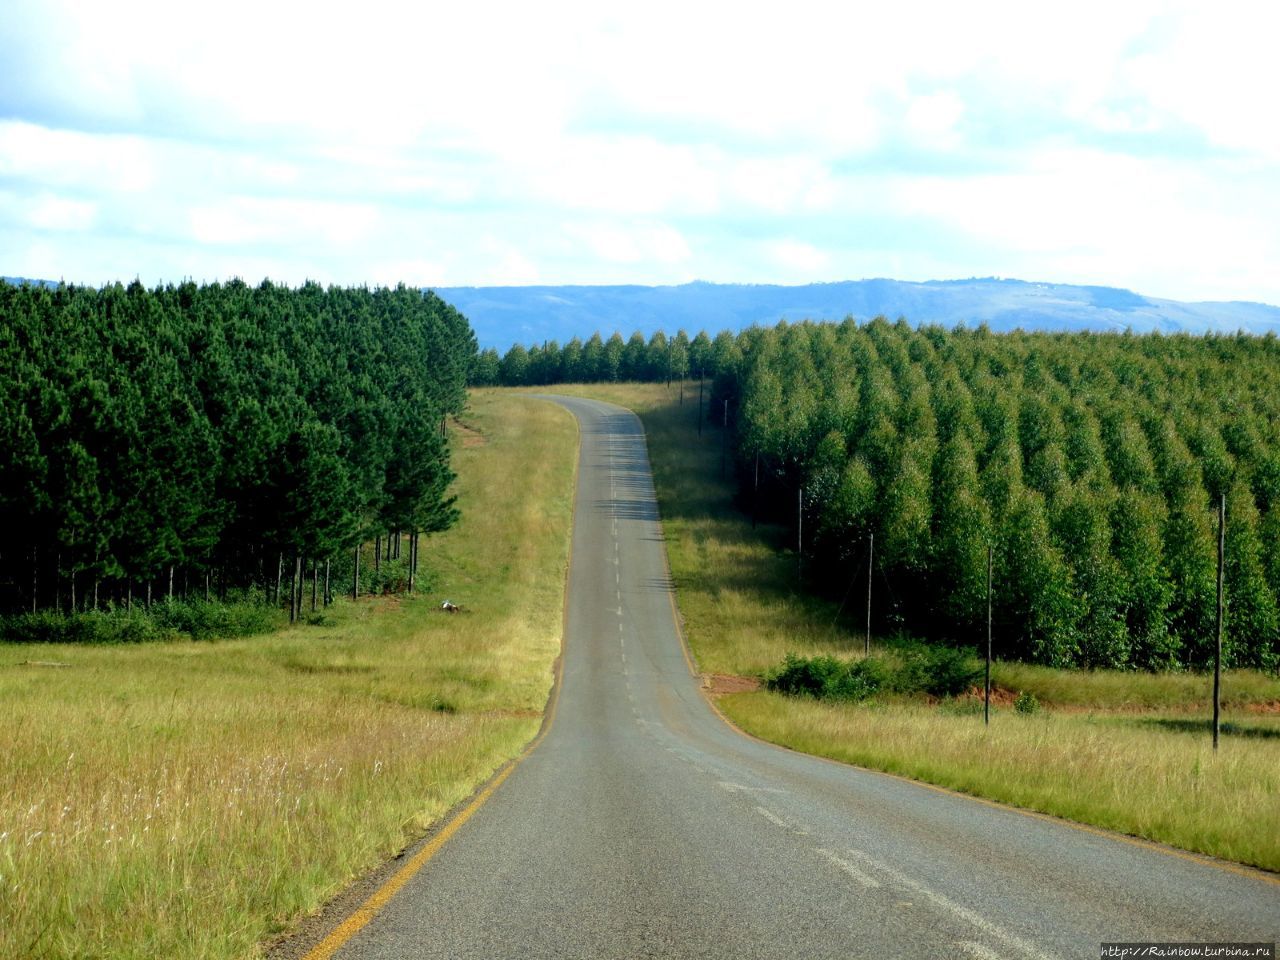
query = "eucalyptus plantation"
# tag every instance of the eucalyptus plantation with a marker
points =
(1089, 463)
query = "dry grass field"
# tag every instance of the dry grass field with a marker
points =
(192, 799)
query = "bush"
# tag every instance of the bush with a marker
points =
(94, 626)
(208, 620)
(164, 621)
(937, 670)
(800, 676)
(1026, 703)
(392, 576)
(940, 671)
(827, 678)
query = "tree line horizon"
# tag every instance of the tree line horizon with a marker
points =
(1092, 465)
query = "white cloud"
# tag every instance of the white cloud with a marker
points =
(59, 213)
(619, 243)
(799, 258)
(573, 141)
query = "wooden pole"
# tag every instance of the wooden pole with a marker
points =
(800, 532)
(986, 697)
(755, 492)
(724, 440)
(1217, 655)
(871, 556)
(699, 403)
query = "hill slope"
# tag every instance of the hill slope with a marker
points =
(505, 315)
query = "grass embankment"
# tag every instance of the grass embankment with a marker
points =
(191, 799)
(1129, 752)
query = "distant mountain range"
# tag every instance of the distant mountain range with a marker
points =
(505, 315)
(502, 316)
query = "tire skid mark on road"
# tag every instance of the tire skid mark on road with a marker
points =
(992, 930)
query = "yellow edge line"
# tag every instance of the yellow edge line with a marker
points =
(1205, 860)
(358, 920)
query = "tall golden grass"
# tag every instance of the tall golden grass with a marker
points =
(193, 799)
(1158, 784)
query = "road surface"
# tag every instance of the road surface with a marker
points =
(644, 826)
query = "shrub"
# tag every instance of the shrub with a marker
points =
(203, 620)
(937, 670)
(94, 626)
(827, 678)
(801, 676)
(940, 671)
(166, 620)
(1026, 703)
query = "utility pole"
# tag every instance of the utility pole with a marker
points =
(871, 556)
(724, 441)
(699, 403)
(800, 532)
(755, 492)
(986, 697)
(1217, 655)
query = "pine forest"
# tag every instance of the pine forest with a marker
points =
(211, 439)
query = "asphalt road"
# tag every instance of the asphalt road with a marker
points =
(644, 826)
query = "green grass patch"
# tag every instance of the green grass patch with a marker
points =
(189, 799)
(1121, 750)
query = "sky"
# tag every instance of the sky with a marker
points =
(1132, 144)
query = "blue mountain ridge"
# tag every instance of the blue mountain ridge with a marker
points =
(502, 316)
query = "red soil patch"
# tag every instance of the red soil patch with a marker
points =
(1000, 696)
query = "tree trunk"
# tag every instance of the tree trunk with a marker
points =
(148, 593)
(73, 591)
(295, 589)
(355, 577)
(96, 581)
(328, 597)
(35, 576)
(206, 586)
(128, 596)
(413, 558)
(171, 581)
(377, 552)
(315, 582)
(279, 575)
